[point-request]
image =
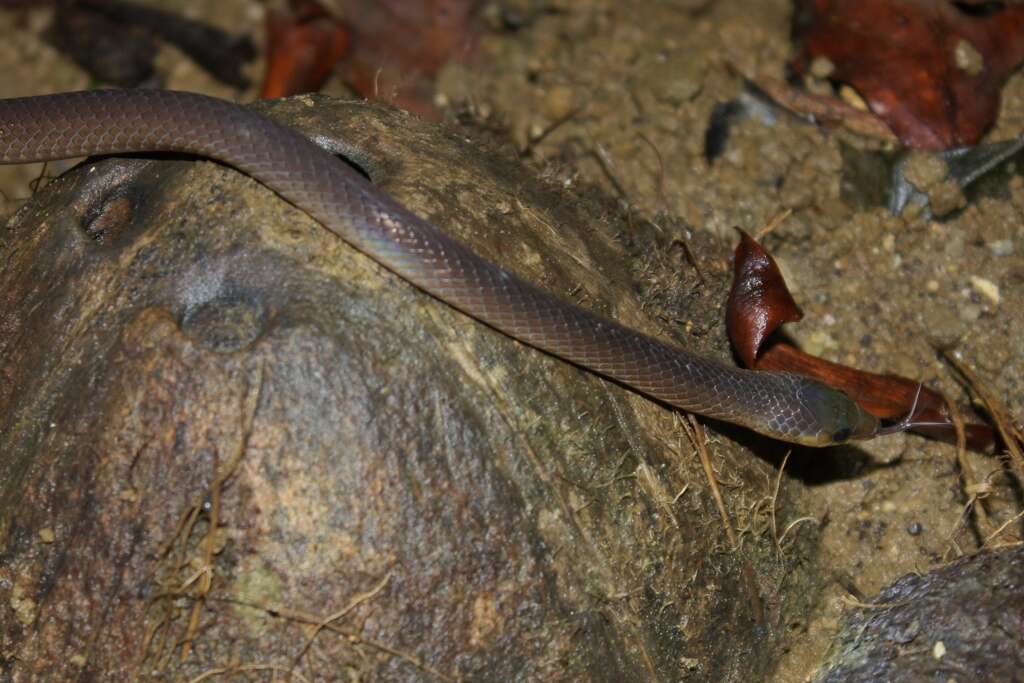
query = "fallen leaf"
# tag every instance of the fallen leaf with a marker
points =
(826, 111)
(398, 46)
(932, 69)
(759, 303)
(303, 45)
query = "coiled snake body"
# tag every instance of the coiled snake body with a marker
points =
(780, 405)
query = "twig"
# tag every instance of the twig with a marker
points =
(792, 525)
(289, 614)
(1002, 527)
(604, 160)
(251, 400)
(550, 128)
(995, 409)
(685, 244)
(660, 178)
(698, 438)
(775, 498)
(853, 602)
(780, 539)
(238, 668)
(974, 502)
(358, 600)
(826, 109)
(33, 184)
(775, 222)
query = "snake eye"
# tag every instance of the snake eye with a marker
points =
(841, 435)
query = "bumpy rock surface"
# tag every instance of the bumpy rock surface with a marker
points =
(230, 442)
(962, 622)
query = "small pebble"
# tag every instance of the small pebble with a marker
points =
(985, 288)
(953, 247)
(932, 286)
(914, 529)
(911, 212)
(47, 536)
(1001, 247)
(924, 170)
(968, 58)
(677, 79)
(852, 98)
(970, 313)
(946, 197)
(558, 102)
(822, 67)
(885, 451)
(818, 342)
(946, 327)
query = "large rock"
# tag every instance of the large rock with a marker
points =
(220, 426)
(960, 622)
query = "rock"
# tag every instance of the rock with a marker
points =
(968, 615)
(238, 425)
(559, 102)
(676, 79)
(986, 288)
(1001, 247)
(924, 170)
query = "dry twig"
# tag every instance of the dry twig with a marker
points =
(696, 434)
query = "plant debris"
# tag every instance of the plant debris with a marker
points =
(932, 69)
(760, 302)
(399, 46)
(221, 54)
(303, 45)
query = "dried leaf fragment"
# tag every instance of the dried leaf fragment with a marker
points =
(932, 69)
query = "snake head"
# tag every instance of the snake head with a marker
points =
(838, 418)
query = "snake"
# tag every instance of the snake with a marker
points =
(780, 405)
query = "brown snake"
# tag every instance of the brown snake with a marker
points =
(783, 406)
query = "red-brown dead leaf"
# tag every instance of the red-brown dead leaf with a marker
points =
(303, 45)
(399, 46)
(932, 69)
(827, 110)
(888, 397)
(759, 302)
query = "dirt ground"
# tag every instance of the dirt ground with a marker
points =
(615, 96)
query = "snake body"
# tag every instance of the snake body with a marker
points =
(779, 405)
